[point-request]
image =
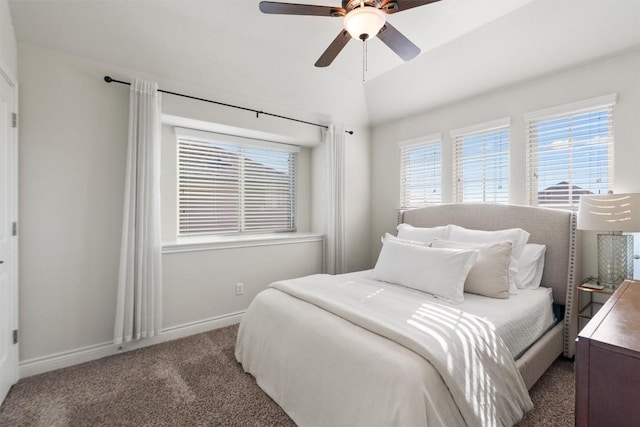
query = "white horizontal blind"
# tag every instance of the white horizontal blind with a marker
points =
(570, 154)
(481, 164)
(234, 188)
(269, 189)
(420, 174)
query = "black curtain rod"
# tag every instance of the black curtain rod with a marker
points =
(108, 79)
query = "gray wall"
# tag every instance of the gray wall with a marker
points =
(620, 74)
(73, 136)
(8, 47)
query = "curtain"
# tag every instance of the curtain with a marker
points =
(335, 234)
(139, 298)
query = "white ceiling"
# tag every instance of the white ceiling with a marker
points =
(468, 46)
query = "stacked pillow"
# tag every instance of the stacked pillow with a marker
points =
(531, 266)
(424, 235)
(447, 260)
(440, 272)
(517, 236)
(489, 276)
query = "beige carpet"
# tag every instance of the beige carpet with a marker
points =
(553, 397)
(194, 381)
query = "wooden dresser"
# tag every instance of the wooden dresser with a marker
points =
(608, 362)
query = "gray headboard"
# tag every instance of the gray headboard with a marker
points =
(552, 227)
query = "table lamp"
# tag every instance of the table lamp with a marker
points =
(615, 214)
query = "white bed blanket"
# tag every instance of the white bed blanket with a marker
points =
(325, 371)
(472, 360)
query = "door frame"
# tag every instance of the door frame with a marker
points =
(12, 211)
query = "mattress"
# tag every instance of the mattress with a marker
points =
(519, 320)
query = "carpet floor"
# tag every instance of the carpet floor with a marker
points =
(196, 381)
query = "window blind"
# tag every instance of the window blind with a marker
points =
(234, 188)
(481, 163)
(570, 153)
(420, 173)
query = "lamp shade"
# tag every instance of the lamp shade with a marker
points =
(610, 212)
(364, 22)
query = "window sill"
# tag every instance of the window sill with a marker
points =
(209, 243)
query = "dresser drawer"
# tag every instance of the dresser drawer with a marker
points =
(608, 362)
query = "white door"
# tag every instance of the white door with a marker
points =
(8, 240)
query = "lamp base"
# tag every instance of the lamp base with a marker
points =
(615, 259)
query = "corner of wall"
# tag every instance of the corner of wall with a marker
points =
(8, 45)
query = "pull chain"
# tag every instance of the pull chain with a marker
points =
(364, 59)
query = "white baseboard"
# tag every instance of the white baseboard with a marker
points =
(65, 359)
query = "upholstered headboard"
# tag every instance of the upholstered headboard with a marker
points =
(552, 227)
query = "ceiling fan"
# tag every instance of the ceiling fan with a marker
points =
(363, 19)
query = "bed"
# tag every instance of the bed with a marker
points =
(348, 362)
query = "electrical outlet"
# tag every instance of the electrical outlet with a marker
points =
(239, 288)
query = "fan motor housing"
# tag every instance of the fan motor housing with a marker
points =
(349, 5)
(385, 5)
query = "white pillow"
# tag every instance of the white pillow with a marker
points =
(425, 235)
(530, 266)
(388, 236)
(489, 276)
(517, 236)
(440, 272)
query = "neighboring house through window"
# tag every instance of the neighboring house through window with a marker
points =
(230, 185)
(570, 152)
(481, 162)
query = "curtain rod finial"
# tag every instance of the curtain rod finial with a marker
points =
(108, 79)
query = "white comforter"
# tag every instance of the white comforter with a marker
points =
(468, 362)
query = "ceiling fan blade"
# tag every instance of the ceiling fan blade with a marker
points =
(395, 6)
(334, 49)
(300, 9)
(398, 43)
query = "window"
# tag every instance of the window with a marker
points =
(420, 172)
(481, 162)
(234, 185)
(570, 152)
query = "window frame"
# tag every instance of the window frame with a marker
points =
(569, 111)
(198, 136)
(485, 128)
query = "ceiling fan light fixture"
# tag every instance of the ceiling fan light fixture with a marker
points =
(364, 23)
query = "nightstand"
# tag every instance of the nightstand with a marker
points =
(587, 307)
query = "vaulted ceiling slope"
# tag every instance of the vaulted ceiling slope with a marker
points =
(538, 38)
(243, 56)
